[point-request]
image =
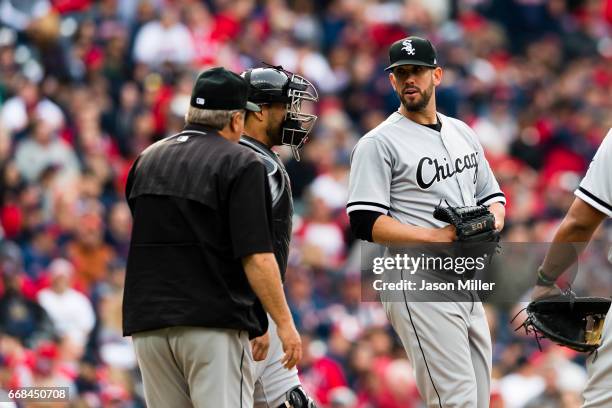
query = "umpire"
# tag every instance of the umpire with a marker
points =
(201, 259)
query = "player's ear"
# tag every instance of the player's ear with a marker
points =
(257, 116)
(437, 76)
(237, 121)
(261, 115)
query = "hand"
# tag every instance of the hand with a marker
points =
(292, 344)
(446, 234)
(540, 292)
(260, 346)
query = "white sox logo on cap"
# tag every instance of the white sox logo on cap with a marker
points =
(407, 46)
(412, 51)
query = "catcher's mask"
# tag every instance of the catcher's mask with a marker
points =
(273, 84)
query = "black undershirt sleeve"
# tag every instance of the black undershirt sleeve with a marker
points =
(362, 222)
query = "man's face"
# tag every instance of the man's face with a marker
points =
(60, 283)
(414, 85)
(276, 117)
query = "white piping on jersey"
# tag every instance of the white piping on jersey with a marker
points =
(275, 190)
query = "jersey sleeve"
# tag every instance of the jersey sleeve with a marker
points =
(487, 188)
(370, 177)
(250, 218)
(596, 187)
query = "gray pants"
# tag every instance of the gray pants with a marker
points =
(272, 380)
(449, 347)
(195, 367)
(598, 392)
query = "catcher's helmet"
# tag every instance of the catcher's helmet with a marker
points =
(276, 85)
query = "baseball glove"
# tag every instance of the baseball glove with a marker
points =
(473, 224)
(574, 322)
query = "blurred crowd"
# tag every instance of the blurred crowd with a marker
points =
(85, 85)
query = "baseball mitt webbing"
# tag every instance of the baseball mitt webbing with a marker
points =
(574, 322)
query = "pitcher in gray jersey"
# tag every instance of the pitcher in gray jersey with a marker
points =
(399, 172)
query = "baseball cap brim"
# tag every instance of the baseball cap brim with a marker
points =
(252, 107)
(409, 62)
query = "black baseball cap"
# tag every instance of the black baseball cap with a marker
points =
(412, 51)
(220, 89)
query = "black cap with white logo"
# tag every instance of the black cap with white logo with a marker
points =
(412, 51)
(220, 89)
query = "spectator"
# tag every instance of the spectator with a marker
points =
(47, 369)
(20, 318)
(321, 238)
(71, 311)
(120, 229)
(206, 42)
(120, 122)
(166, 40)
(40, 251)
(88, 252)
(320, 374)
(114, 349)
(16, 111)
(21, 16)
(342, 397)
(302, 304)
(42, 149)
(521, 386)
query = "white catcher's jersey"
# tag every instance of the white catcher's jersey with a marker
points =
(596, 187)
(404, 169)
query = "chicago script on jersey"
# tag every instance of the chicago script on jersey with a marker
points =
(444, 171)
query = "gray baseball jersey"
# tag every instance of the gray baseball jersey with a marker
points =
(596, 190)
(403, 169)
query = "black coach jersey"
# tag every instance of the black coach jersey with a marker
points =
(200, 204)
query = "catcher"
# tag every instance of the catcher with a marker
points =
(592, 205)
(281, 121)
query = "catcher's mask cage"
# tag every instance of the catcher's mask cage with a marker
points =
(274, 84)
(297, 124)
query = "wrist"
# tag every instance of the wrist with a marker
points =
(432, 235)
(544, 280)
(285, 320)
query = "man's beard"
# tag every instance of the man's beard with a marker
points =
(419, 104)
(275, 132)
